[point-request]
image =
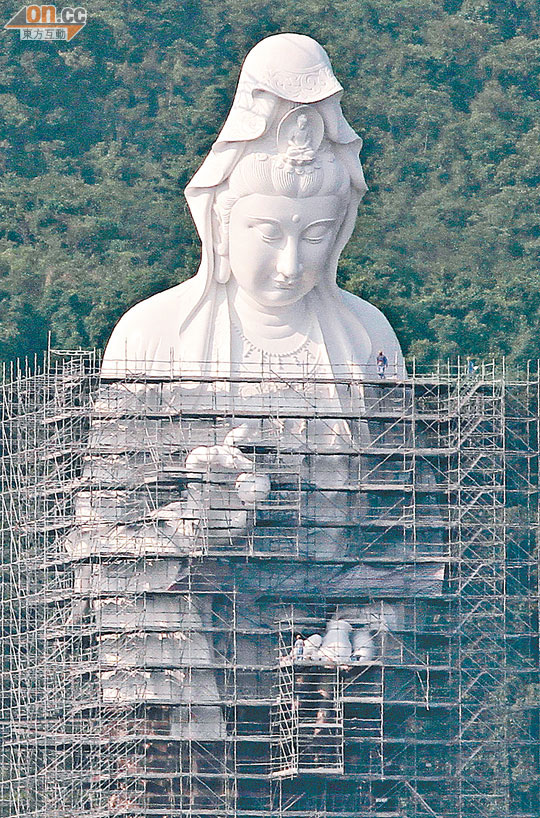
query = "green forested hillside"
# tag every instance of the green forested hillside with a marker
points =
(99, 136)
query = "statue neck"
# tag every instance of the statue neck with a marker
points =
(277, 329)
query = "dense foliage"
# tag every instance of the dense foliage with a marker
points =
(99, 136)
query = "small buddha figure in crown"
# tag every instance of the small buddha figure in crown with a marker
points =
(299, 149)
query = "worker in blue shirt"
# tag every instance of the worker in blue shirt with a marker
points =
(382, 363)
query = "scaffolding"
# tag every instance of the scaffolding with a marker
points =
(279, 596)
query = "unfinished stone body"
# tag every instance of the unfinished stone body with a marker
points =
(237, 433)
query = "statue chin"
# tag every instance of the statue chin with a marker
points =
(274, 203)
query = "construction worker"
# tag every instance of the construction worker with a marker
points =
(382, 363)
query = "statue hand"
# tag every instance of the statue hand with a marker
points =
(217, 462)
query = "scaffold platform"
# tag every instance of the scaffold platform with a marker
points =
(269, 597)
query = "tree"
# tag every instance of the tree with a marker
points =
(99, 136)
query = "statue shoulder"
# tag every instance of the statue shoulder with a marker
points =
(142, 317)
(376, 323)
(148, 327)
(380, 331)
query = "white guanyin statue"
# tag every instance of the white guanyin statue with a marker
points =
(274, 202)
(205, 459)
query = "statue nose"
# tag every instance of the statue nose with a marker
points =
(288, 264)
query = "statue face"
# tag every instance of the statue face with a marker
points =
(279, 247)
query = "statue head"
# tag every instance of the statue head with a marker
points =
(275, 201)
(280, 211)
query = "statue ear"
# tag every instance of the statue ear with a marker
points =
(222, 270)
